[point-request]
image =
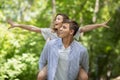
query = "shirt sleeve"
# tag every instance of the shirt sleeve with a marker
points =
(78, 34)
(85, 60)
(46, 33)
(44, 56)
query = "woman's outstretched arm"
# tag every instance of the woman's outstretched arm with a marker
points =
(93, 26)
(23, 26)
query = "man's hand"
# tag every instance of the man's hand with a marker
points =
(82, 75)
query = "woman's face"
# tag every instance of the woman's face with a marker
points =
(58, 21)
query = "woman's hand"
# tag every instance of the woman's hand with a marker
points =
(12, 24)
(104, 24)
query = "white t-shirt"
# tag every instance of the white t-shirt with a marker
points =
(61, 72)
(47, 33)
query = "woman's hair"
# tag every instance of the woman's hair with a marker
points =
(65, 17)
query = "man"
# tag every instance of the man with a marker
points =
(64, 56)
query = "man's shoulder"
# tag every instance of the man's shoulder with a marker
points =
(54, 41)
(80, 46)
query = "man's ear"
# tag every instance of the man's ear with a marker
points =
(72, 32)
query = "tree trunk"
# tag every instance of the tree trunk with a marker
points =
(96, 11)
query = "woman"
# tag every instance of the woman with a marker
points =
(51, 33)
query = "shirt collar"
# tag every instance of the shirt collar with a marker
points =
(61, 44)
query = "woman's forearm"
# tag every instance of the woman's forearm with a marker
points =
(29, 27)
(90, 27)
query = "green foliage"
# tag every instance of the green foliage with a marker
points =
(18, 67)
(19, 54)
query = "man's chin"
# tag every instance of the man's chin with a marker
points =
(59, 36)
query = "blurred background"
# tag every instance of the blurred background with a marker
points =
(20, 49)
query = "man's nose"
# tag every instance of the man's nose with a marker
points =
(60, 28)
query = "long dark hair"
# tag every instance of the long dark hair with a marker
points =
(63, 15)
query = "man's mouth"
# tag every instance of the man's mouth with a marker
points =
(60, 32)
(56, 23)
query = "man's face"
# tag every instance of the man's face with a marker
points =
(65, 31)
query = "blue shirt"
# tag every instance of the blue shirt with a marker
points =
(77, 57)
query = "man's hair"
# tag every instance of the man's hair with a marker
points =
(72, 25)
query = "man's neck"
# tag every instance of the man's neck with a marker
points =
(67, 41)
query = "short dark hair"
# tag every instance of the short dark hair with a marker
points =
(73, 25)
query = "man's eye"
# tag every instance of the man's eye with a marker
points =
(64, 27)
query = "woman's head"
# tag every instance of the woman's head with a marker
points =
(59, 19)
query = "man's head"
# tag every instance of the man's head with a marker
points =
(69, 28)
